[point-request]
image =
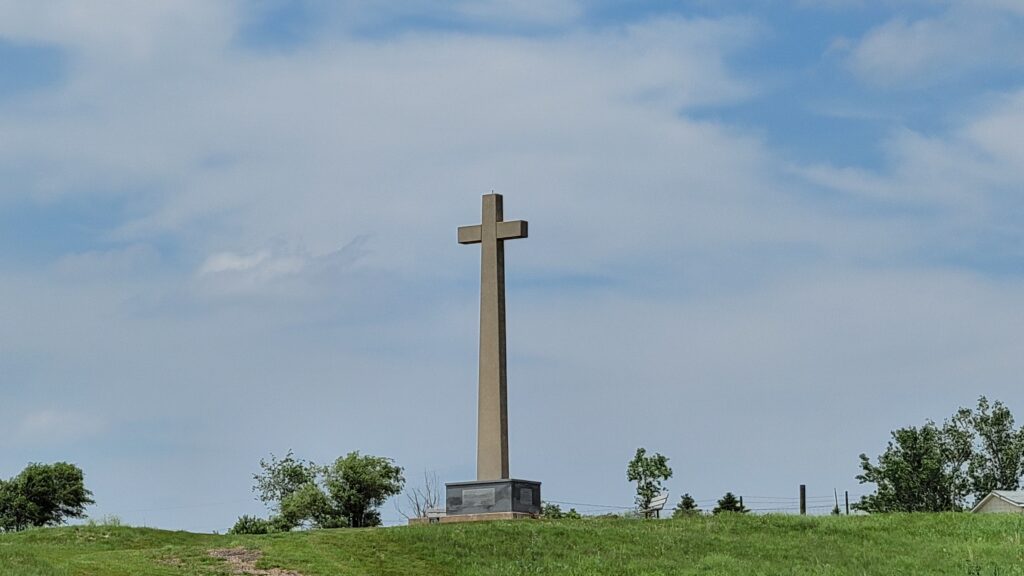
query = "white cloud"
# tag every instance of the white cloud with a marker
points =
(120, 30)
(279, 269)
(55, 426)
(913, 53)
(964, 172)
(115, 261)
(230, 262)
(356, 137)
(998, 133)
(949, 199)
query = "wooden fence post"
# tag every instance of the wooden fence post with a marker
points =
(803, 499)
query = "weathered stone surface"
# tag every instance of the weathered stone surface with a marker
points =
(492, 416)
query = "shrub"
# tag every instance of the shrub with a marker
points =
(551, 511)
(107, 521)
(687, 507)
(251, 525)
(730, 503)
(554, 512)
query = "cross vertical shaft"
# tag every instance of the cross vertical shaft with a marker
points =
(492, 415)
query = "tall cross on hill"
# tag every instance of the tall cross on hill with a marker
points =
(492, 415)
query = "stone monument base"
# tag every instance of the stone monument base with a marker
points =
(487, 497)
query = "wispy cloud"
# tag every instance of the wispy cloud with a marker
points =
(229, 272)
(107, 263)
(966, 169)
(966, 38)
(54, 426)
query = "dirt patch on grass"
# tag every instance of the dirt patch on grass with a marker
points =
(243, 561)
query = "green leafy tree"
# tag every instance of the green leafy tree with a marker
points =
(282, 478)
(730, 503)
(648, 472)
(43, 495)
(922, 470)
(997, 461)
(935, 468)
(286, 486)
(14, 508)
(307, 506)
(687, 506)
(347, 493)
(358, 485)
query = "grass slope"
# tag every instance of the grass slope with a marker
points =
(962, 544)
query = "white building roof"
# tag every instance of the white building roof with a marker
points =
(1014, 497)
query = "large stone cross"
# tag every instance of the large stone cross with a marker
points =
(492, 415)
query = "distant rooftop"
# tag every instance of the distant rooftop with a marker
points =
(1015, 496)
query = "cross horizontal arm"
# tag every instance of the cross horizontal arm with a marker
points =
(470, 234)
(512, 230)
(503, 231)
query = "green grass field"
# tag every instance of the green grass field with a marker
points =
(962, 544)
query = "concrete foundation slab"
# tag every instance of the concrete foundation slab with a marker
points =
(490, 517)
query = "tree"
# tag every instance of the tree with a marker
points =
(648, 472)
(347, 493)
(730, 503)
(288, 486)
(921, 470)
(687, 507)
(14, 507)
(43, 495)
(307, 506)
(359, 485)
(282, 478)
(423, 497)
(935, 468)
(997, 461)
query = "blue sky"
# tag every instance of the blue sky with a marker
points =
(763, 234)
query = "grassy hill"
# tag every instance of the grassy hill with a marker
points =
(962, 544)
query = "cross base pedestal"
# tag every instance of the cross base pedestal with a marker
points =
(489, 497)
